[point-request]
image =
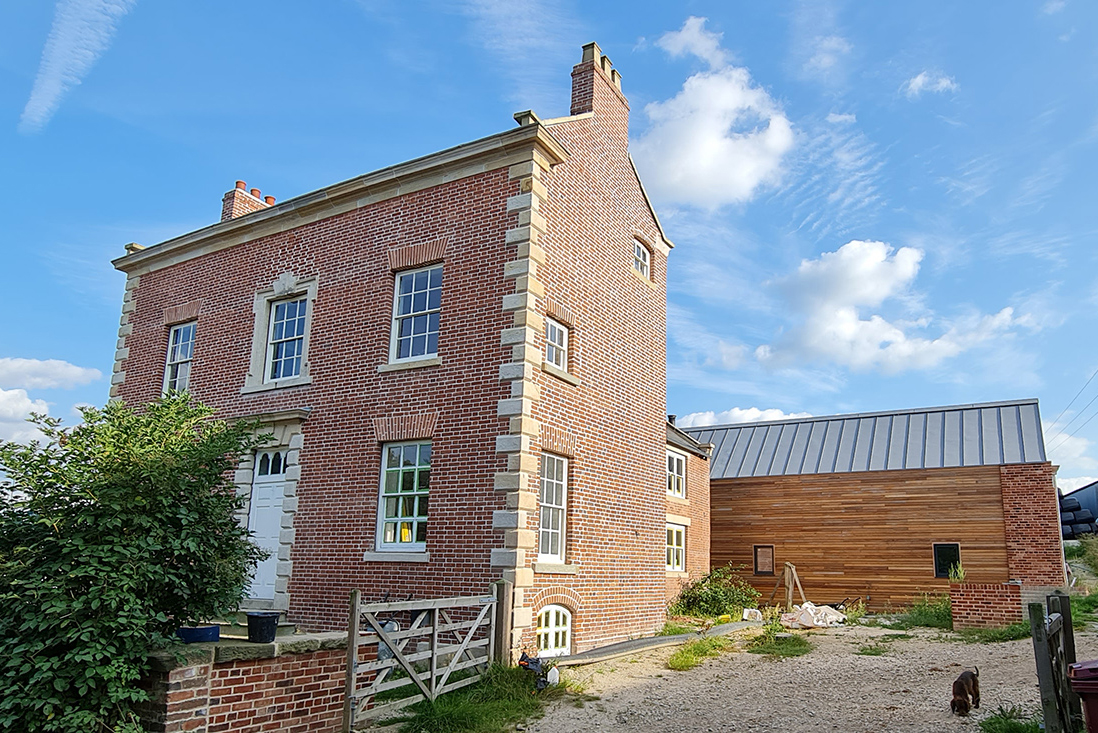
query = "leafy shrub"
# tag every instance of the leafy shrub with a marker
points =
(720, 592)
(855, 612)
(112, 535)
(1089, 545)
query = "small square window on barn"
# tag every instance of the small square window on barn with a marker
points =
(946, 557)
(764, 559)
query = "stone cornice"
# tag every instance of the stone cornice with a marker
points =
(490, 153)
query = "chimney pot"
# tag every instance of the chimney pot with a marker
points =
(270, 200)
(134, 247)
(607, 64)
(526, 117)
(591, 52)
(256, 192)
(671, 419)
(241, 185)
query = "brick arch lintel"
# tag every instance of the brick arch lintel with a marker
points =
(556, 595)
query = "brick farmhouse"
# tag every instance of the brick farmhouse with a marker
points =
(880, 506)
(462, 360)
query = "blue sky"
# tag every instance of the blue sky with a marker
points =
(875, 206)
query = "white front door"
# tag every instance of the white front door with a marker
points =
(265, 518)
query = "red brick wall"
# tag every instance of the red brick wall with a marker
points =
(292, 693)
(985, 605)
(617, 415)
(696, 507)
(1031, 515)
(340, 464)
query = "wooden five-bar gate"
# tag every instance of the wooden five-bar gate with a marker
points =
(433, 646)
(1054, 650)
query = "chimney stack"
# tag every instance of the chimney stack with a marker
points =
(596, 87)
(241, 201)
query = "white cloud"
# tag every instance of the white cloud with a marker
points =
(736, 415)
(700, 346)
(827, 53)
(828, 293)
(530, 41)
(694, 39)
(720, 139)
(841, 119)
(1070, 452)
(1068, 485)
(1051, 7)
(44, 374)
(927, 81)
(15, 408)
(82, 30)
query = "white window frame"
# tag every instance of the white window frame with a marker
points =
(676, 482)
(556, 344)
(286, 288)
(551, 508)
(173, 360)
(273, 344)
(275, 466)
(642, 259)
(418, 496)
(394, 336)
(554, 639)
(676, 548)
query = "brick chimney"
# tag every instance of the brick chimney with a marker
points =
(240, 201)
(596, 87)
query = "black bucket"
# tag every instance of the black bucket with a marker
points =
(262, 626)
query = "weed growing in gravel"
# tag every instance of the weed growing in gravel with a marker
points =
(785, 646)
(1010, 720)
(879, 645)
(1013, 632)
(933, 612)
(855, 612)
(692, 654)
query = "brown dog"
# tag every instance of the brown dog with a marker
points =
(965, 686)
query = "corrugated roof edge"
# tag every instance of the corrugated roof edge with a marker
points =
(853, 415)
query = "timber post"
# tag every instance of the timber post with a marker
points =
(505, 596)
(352, 662)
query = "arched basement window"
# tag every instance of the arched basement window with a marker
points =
(554, 631)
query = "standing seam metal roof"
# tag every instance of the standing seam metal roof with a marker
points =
(987, 434)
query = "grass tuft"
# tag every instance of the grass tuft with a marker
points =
(1013, 632)
(503, 697)
(879, 646)
(779, 647)
(672, 628)
(1010, 720)
(932, 612)
(693, 653)
(1084, 609)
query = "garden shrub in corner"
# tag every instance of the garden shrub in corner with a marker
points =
(113, 534)
(720, 592)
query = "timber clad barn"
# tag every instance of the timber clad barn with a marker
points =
(462, 359)
(881, 505)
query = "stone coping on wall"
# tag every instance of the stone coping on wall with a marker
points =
(233, 650)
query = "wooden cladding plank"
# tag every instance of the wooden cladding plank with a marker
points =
(863, 534)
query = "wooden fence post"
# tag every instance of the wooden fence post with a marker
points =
(352, 662)
(1059, 602)
(1045, 678)
(505, 598)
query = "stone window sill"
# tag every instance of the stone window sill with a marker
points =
(550, 568)
(647, 281)
(414, 364)
(397, 557)
(678, 500)
(560, 374)
(677, 574)
(679, 520)
(281, 384)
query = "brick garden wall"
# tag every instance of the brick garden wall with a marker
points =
(279, 689)
(985, 605)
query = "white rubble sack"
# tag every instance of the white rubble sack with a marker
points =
(811, 616)
(752, 614)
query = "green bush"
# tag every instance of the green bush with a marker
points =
(1089, 550)
(112, 535)
(720, 592)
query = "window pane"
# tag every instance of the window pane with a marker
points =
(436, 277)
(432, 343)
(422, 506)
(406, 282)
(425, 454)
(390, 508)
(421, 532)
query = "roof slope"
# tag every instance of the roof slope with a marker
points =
(989, 434)
(682, 440)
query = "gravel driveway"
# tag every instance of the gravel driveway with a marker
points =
(830, 689)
